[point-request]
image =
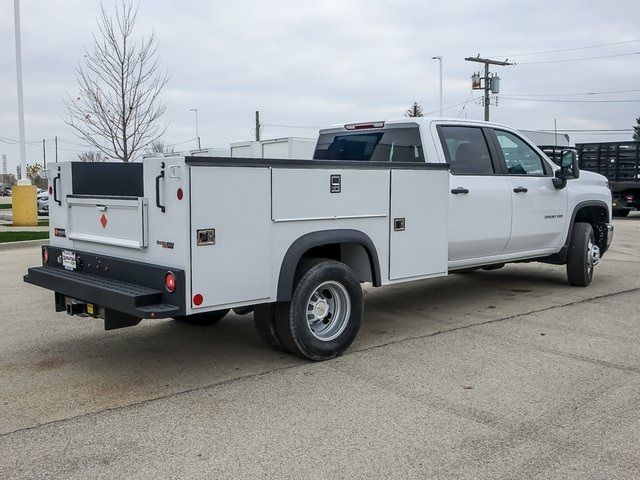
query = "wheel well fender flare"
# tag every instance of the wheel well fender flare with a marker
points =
(580, 206)
(315, 239)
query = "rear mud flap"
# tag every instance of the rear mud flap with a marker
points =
(114, 319)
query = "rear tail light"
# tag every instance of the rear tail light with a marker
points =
(170, 282)
(45, 255)
(629, 198)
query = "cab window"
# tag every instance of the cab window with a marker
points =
(390, 145)
(520, 158)
(466, 150)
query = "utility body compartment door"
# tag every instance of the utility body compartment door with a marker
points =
(118, 221)
(234, 266)
(418, 223)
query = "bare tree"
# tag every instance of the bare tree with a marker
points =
(91, 156)
(159, 146)
(118, 107)
(414, 110)
(33, 171)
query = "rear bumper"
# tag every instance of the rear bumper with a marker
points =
(132, 288)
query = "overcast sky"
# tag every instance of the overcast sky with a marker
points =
(316, 63)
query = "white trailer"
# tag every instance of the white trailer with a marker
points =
(250, 149)
(279, 148)
(190, 237)
(289, 147)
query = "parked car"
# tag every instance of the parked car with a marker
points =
(382, 202)
(43, 203)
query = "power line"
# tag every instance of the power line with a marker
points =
(577, 59)
(567, 49)
(570, 94)
(290, 126)
(570, 101)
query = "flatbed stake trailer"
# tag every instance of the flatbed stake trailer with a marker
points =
(190, 238)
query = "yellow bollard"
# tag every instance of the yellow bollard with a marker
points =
(24, 206)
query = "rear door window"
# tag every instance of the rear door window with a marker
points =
(466, 150)
(392, 145)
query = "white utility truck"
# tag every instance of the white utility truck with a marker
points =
(292, 240)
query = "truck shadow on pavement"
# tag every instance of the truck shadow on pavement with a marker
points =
(166, 348)
(83, 369)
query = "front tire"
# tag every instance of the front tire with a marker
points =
(623, 212)
(583, 255)
(325, 312)
(203, 319)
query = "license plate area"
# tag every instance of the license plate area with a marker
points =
(69, 260)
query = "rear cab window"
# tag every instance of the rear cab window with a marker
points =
(399, 144)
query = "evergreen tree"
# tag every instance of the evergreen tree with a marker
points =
(414, 111)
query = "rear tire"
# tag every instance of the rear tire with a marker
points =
(264, 319)
(495, 266)
(583, 255)
(325, 312)
(203, 319)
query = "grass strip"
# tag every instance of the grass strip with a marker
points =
(22, 236)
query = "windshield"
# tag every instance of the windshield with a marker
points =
(392, 145)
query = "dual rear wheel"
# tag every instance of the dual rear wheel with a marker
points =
(324, 314)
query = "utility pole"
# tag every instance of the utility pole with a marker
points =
(439, 58)
(486, 83)
(257, 126)
(56, 142)
(197, 134)
(23, 150)
(44, 154)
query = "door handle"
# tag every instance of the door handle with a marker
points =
(520, 190)
(55, 190)
(158, 178)
(457, 191)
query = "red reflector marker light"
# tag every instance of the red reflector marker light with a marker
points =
(179, 194)
(45, 255)
(170, 282)
(198, 299)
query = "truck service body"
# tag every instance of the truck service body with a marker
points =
(190, 237)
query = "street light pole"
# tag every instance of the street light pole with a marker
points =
(23, 152)
(197, 134)
(439, 58)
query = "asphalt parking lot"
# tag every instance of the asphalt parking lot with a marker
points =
(502, 374)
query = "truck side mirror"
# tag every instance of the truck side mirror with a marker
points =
(569, 167)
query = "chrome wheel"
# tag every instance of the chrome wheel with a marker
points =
(328, 310)
(593, 256)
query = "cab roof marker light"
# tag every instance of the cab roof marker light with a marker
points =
(363, 126)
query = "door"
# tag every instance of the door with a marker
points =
(418, 246)
(479, 200)
(539, 209)
(233, 263)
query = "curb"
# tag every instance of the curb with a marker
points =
(23, 244)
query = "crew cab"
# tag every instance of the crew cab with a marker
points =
(191, 237)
